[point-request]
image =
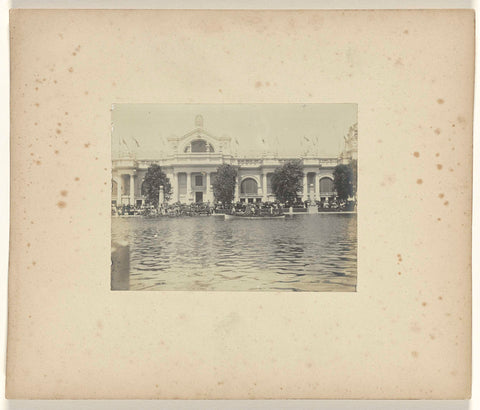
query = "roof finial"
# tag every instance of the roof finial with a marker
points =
(199, 121)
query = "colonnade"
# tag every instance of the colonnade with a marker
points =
(188, 196)
(310, 191)
(131, 193)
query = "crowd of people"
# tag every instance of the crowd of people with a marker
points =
(247, 208)
(255, 208)
(175, 209)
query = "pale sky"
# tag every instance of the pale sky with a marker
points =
(284, 129)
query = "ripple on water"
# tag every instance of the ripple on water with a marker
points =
(300, 253)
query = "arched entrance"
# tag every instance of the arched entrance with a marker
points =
(326, 188)
(249, 190)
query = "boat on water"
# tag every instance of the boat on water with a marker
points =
(229, 217)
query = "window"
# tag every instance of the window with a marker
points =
(125, 184)
(249, 187)
(200, 146)
(182, 183)
(269, 184)
(326, 185)
(198, 180)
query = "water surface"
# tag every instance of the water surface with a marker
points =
(298, 253)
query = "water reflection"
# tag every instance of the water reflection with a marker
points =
(298, 253)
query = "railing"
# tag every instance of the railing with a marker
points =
(249, 161)
(218, 158)
(331, 162)
(146, 163)
(124, 163)
(198, 158)
(327, 193)
(257, 195)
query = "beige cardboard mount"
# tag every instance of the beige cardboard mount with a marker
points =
(405, 333)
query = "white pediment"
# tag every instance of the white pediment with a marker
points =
(216, 144)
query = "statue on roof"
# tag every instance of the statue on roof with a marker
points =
(199, 121)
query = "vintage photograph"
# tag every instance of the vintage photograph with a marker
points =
(234, 197)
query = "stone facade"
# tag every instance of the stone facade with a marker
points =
(191, 161)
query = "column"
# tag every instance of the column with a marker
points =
(161, 195)
(207, 188)
(189, 186)
(175, 196)
(318, 186)
(132, 190)
(119, 191)
(171, 178)
(305, 187)
(237, 190)
(264, 187)
(315, 187)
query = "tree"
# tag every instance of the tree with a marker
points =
(354, 165)
(224, 184)
(154, 178)
(287, 181)
(343, 181)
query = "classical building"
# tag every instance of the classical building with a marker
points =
(191, 162)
